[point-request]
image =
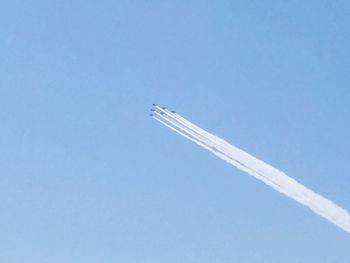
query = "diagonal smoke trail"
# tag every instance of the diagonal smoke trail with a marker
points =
(259, 169)
(218, 143)
(228, 154)
(259, 165)
(168, 120)
(187, 134)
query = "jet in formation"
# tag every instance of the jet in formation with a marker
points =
(159, 109)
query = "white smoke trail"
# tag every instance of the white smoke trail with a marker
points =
(208, 144)
(248, 158)
(229, 150)
(187, 134)
(259, 169)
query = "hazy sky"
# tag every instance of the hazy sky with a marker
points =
(87, 176)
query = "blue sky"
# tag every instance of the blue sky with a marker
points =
(87, 176)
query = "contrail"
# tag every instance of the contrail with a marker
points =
(200, 143)
(255, 167)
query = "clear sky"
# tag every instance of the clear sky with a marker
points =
(87, 176)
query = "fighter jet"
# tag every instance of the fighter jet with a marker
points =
(151, 115)
(154, 104)
(164, 108)
(173, 111)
